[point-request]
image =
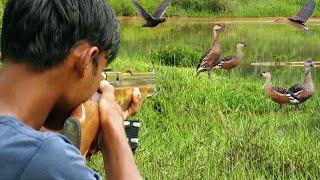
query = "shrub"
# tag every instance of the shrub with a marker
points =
(212, 6)
(173, 55)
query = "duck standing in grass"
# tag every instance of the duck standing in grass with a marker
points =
(277, 94)
(299, 20)
(230, 62)
(304, 90)
(155, 19)
(212, 56)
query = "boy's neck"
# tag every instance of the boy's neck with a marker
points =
(27, 95)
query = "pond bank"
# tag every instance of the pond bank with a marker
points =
(210, 20)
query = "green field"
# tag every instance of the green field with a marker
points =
(221, 8)
(223, 128)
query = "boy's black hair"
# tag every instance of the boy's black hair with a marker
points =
(42, 33)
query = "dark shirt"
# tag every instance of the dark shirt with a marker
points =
(29, 154)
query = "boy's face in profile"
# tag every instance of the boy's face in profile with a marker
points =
(90, 82)
(81, 89)
(43, 37)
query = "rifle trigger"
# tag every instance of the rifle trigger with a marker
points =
(118, 78)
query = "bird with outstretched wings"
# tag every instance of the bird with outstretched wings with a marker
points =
(305, 12)
(143, 13)
(156, 18)
(161, 9)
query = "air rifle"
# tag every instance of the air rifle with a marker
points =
(82, 128)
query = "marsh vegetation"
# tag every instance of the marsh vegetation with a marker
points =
(225, 127)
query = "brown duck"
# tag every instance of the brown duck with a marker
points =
(277, 94)
(231, 62)
(304, 90)
(210, 59)
(299, 20)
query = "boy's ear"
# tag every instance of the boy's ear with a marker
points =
(86, 57)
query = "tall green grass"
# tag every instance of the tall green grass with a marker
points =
(223, 128)
(221, 8)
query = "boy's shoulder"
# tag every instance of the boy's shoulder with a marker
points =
(30, 154)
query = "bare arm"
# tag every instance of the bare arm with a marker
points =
(118, 159)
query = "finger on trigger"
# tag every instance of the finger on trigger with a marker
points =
(107, 90)
(104, 85)
(96, 97)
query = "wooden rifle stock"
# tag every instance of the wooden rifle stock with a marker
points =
(82, 128)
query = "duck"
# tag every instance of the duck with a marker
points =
(155, 19)
(277, 94)
(304, 90)
(299, 20)
(212, 56)
(230, 62)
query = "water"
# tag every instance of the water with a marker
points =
(266, 41)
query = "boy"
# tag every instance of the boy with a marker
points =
(53, 54)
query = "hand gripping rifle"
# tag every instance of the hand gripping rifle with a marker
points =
(82, 128)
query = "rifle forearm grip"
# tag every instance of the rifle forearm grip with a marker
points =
(82, 128)
(84, 121)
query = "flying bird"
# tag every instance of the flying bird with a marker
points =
(299, 20)
(155, 19)
(212, 56)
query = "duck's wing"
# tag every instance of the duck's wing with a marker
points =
(297, 88)
(223, 61)
(161, 9)
(305, 12)
(143, 13)
(203, 59)
(299, 91)
(284, 95)
(227, 59)
(280, 90)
